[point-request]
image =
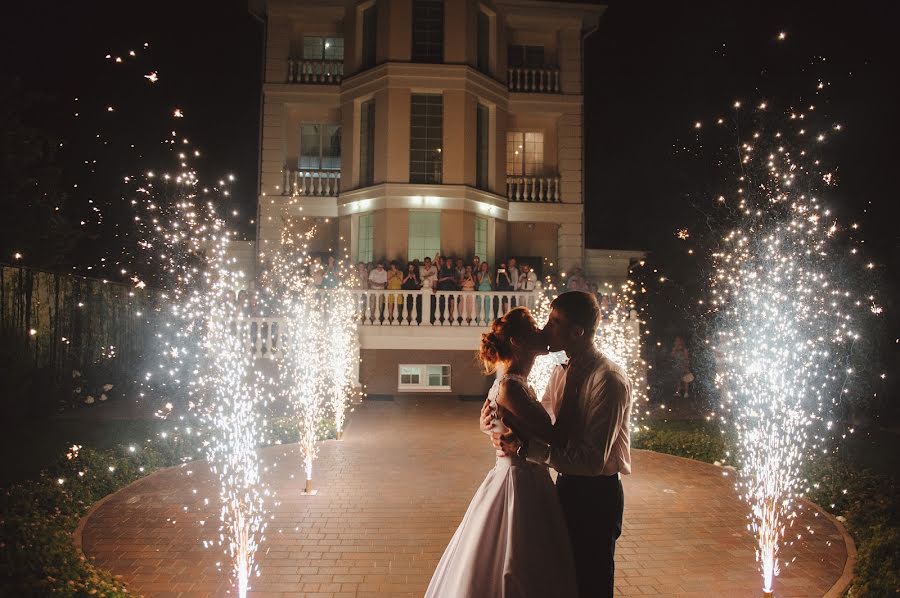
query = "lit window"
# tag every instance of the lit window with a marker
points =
(366, 238)
(524, 153)
(481, 238)
(320, 147)
(426, 136)
(323, 48)
(424, 234)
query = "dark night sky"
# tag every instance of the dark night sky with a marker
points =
(652, 69)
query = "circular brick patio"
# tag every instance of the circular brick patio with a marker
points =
(390, 496)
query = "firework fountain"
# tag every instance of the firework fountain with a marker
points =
(786, 321)
(320, 349)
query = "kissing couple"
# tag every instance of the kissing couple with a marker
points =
(524, 536)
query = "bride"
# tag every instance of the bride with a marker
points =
(513, 541)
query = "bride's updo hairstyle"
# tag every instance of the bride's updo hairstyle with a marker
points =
(496, 347)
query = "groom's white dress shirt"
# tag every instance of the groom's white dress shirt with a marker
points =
(591, 423)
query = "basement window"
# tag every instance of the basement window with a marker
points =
(423, 378)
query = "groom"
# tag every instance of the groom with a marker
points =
(589, 401)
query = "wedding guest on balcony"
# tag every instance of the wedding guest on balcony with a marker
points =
(317, 272)
(483, 279)
(242, 303)
(467, 303)
(513, 273)
(576, 281)
(502, 284)
(460, 269)
(330, 279)
(411, 283)
(476, 265)
(528, 284)
(427, 274)
(377, 282)
(448, 281)
(394, 283)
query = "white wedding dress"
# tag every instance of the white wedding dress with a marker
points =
(513, 541)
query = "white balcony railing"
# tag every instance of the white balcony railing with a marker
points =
(315, 71)
(532, 188)
(312, 183)
(411, 309)
(534, 80)
(467, 309)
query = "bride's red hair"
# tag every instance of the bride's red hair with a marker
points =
(496, 347)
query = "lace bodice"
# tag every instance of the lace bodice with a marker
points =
(495, 391)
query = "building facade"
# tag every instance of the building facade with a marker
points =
(404, 128)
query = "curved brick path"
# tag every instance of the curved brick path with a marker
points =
(389, 498)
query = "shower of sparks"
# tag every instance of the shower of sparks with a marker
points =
(204, 346)
(320, 351)
(786, 325)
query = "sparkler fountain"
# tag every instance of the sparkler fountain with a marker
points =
(207, 353)
(786, 323)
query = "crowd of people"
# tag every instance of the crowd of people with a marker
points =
(512, 280)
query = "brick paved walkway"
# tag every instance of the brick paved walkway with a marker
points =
(389, 498)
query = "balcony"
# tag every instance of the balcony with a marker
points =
(535, 189)
(316, 72)
(424, 311)
(533, 79)
(312, 183)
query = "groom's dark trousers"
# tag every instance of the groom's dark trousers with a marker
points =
(593, 507)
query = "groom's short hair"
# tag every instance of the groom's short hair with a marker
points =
(581, 308)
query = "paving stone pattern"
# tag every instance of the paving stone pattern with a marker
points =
(389, 497)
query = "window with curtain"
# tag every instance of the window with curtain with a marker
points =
(367, 143)
(525, 56)
(424, 235)
(365, 241)
(323, 48)
(426, 136)
(428, 31)
(320, 147)
(482, 146)
(369, 35)
(481, 225)
(524, 153)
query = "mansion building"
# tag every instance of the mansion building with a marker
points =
(405, 128)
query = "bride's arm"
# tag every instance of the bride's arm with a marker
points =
(526, 417)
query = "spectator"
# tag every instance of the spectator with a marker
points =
(576, 281)
(362, 276)
(527, 284)
(460, 269)
(476, 265)
(377, 282)
(317, 272)
(467, 303)
(411, 283)
(427, 275)
(483, 279)
(681, 368)
(503, 284)
(330, 279)
(514, 273)
(394, 283)
(448, 280)
(242, 303)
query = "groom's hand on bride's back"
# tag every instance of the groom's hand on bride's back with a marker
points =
(506, 444)
(487, 417)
